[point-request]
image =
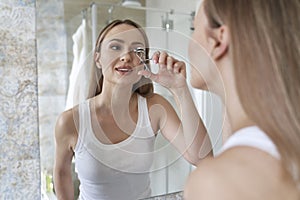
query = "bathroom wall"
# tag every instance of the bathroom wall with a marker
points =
(52, 73)
(172, 177)
(19, 136)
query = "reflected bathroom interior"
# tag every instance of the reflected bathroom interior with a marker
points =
(75, 30)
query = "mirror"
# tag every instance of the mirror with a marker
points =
(57, 23)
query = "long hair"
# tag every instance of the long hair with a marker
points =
(144, 86)
(265, 48)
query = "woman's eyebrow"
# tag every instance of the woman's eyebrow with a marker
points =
(122, 41)
(137, 43)
(117, 40)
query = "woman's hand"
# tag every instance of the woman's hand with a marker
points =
(187, 132)
(171, 73)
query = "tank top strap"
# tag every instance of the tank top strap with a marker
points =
(254, 137)
(84, 123)
(144, 114)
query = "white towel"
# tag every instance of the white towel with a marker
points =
(78, 79)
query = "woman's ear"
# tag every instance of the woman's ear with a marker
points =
(219, 42)
(97, 60)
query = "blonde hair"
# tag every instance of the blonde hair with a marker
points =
(265, 47)
(144, 86)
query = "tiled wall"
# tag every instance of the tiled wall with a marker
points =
(19, 137)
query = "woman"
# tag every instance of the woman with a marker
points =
(111, 135)
(255, 48)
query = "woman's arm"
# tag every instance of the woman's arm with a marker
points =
(197, 141)
(188, 134)
(189, 142)
(64, 137)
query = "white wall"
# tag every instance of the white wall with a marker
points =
(172, 177)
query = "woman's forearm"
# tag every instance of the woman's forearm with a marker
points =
(197, 140)
(63, 185)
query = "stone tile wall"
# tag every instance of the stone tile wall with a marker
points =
(19, 136)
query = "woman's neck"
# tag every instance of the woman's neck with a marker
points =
(236, 115)
(116, 96)
(119, 105)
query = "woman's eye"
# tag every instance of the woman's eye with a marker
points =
(139, 51)
(115, 47)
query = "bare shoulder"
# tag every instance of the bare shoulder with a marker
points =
(159, 105)
(67, 124)
(160, 112)
(157, 99)
(239, 173)
(204, 181)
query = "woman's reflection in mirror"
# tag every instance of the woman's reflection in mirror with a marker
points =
(111, 135)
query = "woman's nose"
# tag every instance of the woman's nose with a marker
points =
(126, 56)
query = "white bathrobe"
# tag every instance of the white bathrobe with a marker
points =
(78, 79)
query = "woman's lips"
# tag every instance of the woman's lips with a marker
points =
(124, 69)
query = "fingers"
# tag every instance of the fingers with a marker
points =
(148, 74)
(179, 67)
(170, 61)
(162, 57)
(155, 57)
(167, 62)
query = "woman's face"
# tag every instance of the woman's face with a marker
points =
(117, 59)
(203, 67)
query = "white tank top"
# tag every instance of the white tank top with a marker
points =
(252, 137)
(114, 171)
